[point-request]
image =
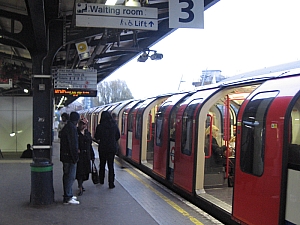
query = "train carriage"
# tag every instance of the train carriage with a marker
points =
(267, 126)
(257, 119)
(164, 137)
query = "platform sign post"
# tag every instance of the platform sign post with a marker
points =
(186, 14)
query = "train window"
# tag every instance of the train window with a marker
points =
(138, 126)
(187, 127)
(130, 122)
(253, 133)
(159, 129)
(123, 123)
(294, 148)
(159, 123)
(172, 123)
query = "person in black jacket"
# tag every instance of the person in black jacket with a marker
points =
(218, 152)
(27, 153)
(69, 156)
(86, 154)
(107, 134)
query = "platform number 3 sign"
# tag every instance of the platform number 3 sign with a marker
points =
(186, 14)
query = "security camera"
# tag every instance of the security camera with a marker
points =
(143, 57)
(156, 56)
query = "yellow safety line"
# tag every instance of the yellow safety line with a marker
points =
(171, 203)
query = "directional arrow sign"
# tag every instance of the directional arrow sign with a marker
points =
(116, 22)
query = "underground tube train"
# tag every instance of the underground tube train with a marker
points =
(253, 121)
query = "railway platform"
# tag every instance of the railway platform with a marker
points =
(136, 199)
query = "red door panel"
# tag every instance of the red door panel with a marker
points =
(257, 186)
(186, 122)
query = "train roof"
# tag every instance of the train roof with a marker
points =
(283, 70)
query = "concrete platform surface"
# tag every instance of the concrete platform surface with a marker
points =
(136, 199)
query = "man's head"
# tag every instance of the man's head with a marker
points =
(64, 117)
(74, 117)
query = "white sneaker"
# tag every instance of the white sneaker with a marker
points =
(74, 197)
(72, 202)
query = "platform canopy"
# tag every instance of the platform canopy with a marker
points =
(48, 28)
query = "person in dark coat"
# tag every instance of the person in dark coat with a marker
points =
(218, 152)
(86, 154)
(107, 134)
(27, 153)
(69, 156)
(63, 122)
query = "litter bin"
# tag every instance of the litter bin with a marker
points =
(42, 192)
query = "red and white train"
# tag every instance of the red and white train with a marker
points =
(259, 123)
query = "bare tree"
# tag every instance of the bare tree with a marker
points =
(113, 91)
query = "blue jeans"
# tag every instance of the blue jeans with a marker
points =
(69, 173)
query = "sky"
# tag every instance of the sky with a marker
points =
(238, 36)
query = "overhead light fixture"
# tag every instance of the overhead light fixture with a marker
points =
(12, 134)
(145, 55)
(134, 3)
(25, 90)
(110, 2)
(114, 2)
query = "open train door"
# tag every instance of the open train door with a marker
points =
(261, 162)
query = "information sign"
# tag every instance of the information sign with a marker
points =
(75, 92)
(186, 14)
(115, 10)
(6, 83)
(75, 79)
(120, 17)
(116, 22)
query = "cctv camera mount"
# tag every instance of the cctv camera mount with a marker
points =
(146, 54)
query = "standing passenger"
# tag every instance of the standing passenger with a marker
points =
(63, 122)
(218, 152)
(69, 157)
(86, 154)
(107, 132)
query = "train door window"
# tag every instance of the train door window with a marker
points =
(159, 123)
(187, 127)
(173, 122)
(130, 122)
(294, 148)
(123, 123)
(138, 126)
(253, 133)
